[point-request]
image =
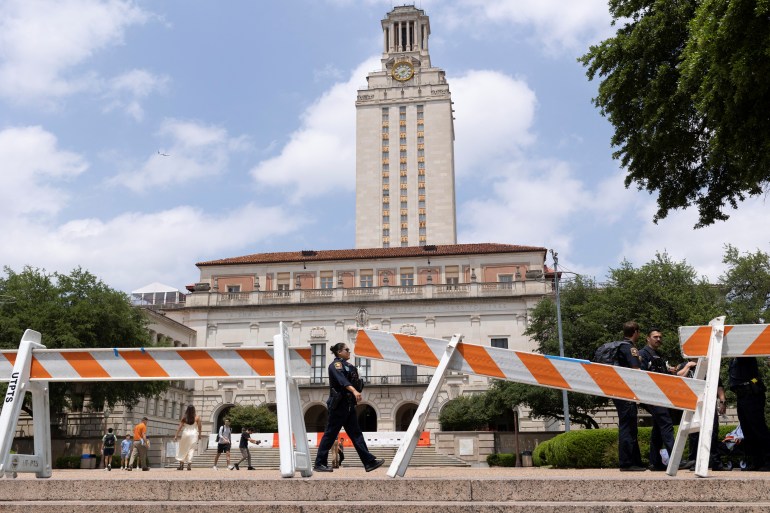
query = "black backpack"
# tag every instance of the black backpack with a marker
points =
(608, 353)
(109, 440)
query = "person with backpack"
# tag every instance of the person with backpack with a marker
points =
(108, 449)
(629, 456)
(662, 437)
(223, 444)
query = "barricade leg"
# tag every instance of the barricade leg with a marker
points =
(406, 449)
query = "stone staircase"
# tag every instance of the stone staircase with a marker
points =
(255, 492)
(270, 458)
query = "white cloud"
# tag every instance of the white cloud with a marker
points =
(320, 155)
(43, 41)
(494, 115)
(32, 165)
(702, 248)
(125, 91)
(191, 150)
(535, 202)
(133, 248)
(557, 25)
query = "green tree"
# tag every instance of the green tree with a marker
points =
(258, 417)
(75, 311)
(685, 86)
(747, 286)
(466, 413)
(662, 294)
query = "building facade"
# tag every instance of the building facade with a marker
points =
(405, 187)
(483, 291)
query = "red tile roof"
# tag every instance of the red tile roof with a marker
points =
(360, 254)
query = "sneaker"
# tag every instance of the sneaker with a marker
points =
(128, 468)
(236, 466)
(251, 468)
(145, 469)
(109, 467)
(655, 468)
(214, 468)
(633, 468)
(375, 465)
(230, 467)
(105, 469)
(322, 468)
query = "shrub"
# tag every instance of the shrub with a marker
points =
(594, 448)
(501, 460)
(67, 462)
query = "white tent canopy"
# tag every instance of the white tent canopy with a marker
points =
(156, 294)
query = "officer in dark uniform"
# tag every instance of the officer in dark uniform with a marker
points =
(629, 457)
(749, 389)
(662, 436)
(345, 392)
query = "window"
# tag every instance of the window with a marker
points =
(233, 288)
(364, 366)
(408, 374)
(283, 281)
(317, 362)
(327, 280)
(502, 343)
(407, 278)
(367, 279)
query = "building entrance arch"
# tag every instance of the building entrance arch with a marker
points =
(315, 418)
(367, 417)
(220, 421)
(404, 416)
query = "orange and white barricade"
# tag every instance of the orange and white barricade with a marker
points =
(531, 368)
(709, 344)
(32, 367)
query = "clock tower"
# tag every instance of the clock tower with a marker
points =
(405, 194)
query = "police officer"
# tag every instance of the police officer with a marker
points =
(662, 436)
(749, 389)
(629, 456)
(345, 392)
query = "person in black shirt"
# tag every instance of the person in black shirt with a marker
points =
(629, 456)
(662, 436)
(243, 445)
(345, 392)
(749, 389)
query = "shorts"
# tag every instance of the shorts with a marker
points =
(223, 448)
(125, 454)
(109, 452)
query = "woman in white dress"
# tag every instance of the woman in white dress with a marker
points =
(190, 427)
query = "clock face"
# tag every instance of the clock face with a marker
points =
(403, 71)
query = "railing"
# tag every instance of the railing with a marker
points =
(369, 294)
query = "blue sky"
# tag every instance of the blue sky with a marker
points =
(253, 102)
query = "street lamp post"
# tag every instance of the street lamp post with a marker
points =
(555, 256)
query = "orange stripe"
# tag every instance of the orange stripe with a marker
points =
(305, 354)
(259, 360)
(202, 363)
(608, 379)
(365, 347)
(11, 357)
(85, 364)
(761, 345)
(275, 440)
(698, 343)
(144, 364)
(37, 370)
(417, 349)
(543, 370)
(479, 360)
(676, 390)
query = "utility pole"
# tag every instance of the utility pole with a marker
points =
(565, 401)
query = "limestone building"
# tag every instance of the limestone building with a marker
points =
(405, 192)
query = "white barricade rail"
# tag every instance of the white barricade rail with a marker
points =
(709, 344)
(32, 367)
(291, 424)
(531, 368)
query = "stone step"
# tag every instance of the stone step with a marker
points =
(270, 458)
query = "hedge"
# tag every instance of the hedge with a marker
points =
(501, 460)
(593, 448)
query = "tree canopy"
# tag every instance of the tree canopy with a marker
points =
(76, 310)
(258, 417)
(685, 86)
